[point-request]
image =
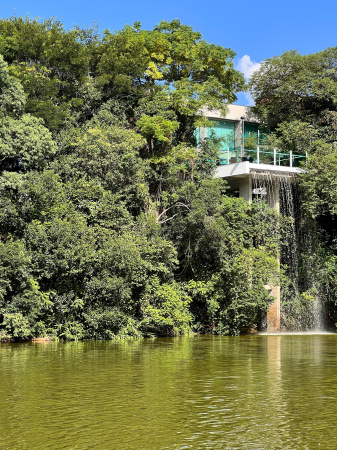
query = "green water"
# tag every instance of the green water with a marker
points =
(250, 392)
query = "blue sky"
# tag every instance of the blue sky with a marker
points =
(255, 30)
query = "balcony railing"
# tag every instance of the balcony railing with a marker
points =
(262, 155)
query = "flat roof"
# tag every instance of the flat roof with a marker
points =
(235, 112)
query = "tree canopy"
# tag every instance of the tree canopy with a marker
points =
(111, 223)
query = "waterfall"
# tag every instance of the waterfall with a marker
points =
(301, 306)
(288, 208)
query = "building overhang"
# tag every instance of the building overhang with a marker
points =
(243, 169)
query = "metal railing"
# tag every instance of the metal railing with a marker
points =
(262, 155)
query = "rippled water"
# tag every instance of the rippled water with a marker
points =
(249, 392)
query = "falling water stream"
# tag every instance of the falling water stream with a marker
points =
(282, 190)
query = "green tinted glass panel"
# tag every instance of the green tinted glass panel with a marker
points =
(225, 130)
(251, 129)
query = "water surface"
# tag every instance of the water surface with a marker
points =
(248, 392)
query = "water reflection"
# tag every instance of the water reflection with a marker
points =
(258, 392)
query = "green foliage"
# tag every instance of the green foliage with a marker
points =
(227, 254)
(298, 309)
(50, 63)
(14, 276)
(295, 87)
(165, 309)
(12, 98)
(319, 181)
(25, 144)
(107, 156)
(172, 52)
(110, 323)
(15, 326)
(22, 303)
(111, 224)
(157, 128)
(246, 298)
(311, 302)
(251, 142)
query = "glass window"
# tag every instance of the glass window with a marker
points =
(225, 130)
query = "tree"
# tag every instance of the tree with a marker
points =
(295, 87)
(171, 59)
(119, 227)
(25, 143)
(51, 64)
(12, 98)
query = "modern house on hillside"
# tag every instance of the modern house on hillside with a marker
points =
(242, 150)
(238, 123)
(242, 137)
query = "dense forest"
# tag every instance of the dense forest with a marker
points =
(111, 221)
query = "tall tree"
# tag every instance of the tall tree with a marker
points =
(296, 87)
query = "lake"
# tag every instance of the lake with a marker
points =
(195, 392)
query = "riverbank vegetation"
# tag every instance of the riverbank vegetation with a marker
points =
(111, 222)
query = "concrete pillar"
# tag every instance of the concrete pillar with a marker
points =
(245, 189)
(274, 314)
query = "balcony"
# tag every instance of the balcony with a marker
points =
(262, 155)
(270, 161)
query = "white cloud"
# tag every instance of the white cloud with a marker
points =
(248, 67)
